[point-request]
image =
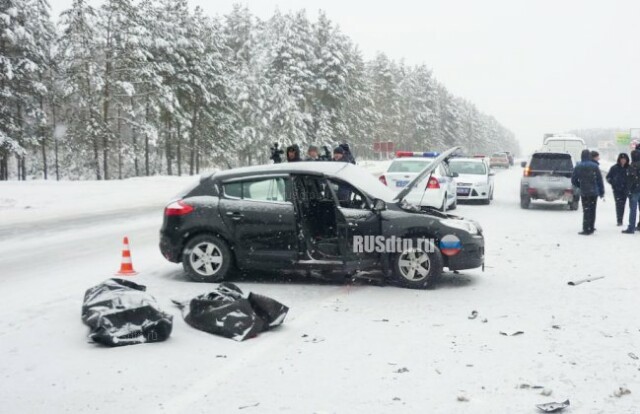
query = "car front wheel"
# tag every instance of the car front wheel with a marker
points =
(417, 268)
(206, 258)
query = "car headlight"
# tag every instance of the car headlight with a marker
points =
(461, 225)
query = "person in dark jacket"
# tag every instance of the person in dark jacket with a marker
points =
(633, 188)
(344, 191)
(617, 178)
(587, 177)
(312, 153)
(347, 152)
(595, 157)
(293, 153)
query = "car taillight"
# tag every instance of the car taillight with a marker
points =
(433, 183)
(178, 208)
(383, 179)
(527, 171)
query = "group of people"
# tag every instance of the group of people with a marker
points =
(341, 153)
(624, 178)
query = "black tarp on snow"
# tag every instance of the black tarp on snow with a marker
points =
(228, 312)
(120, 312)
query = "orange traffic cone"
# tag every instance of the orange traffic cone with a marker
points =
(126, 268)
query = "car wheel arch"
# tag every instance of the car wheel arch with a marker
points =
(191, 234)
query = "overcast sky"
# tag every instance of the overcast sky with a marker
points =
(537, 65)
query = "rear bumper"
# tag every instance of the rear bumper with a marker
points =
(471, 255)
(170, 249)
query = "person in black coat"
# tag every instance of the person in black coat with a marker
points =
(293, 153)
(617, 178)
(587, 177)
(633, 189)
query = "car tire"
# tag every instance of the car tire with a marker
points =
(525, 202)
(417, 269)
(454, 205)
(573, 205)
(207, 258)
(443, 208)
(491, 195)
(487, 201)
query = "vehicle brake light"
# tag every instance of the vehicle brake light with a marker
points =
(527, 171)
(383, 179)
(178, 208)
(433, 183)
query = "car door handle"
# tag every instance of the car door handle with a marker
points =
(235, 215)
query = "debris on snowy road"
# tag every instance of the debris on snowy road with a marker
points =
(120, 312)
(589, 279)
(546, 392)
(248, 406)
(473, 315)
(511, 333)
(621, 391)
(228, 312)
(463, 398)
(632, 355)
(401, 370)
(553, 407)
(528, 386)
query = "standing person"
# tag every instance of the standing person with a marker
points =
(595, 157)
(633, 187)
(338, 154)
(312, 153)
(587, 177)
(293, 153)
(347, 152)
(617, 177)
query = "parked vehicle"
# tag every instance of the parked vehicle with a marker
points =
(568, 143)
(499, 159)
(547, 176)
(440, 186)
(290, 217)
(475, 180)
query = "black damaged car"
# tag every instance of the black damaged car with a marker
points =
(313, 216)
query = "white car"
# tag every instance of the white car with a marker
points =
(474, 180)
(436, 191)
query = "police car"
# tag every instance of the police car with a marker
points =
(475, 178)
(436, 191)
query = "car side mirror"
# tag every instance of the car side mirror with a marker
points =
(523, 164)
(379, 205)
(455, 175)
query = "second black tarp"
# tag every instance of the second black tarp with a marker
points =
(228, 312)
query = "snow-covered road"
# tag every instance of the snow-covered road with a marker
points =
(343, 349)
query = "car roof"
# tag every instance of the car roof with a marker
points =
(306, 167)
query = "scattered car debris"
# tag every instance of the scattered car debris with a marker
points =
(632, 355)
(228, 312)
(401, 370)
(473, 315)
(621, 391)
(546, 392)
(248, 406)
(120, 312)
(485, 320)
(381, 320)
(396, 399)
(553, 407)
(463, 398)
(581, 281)
(511, 333)
(555, 326)
(315, 340)
(528, 386)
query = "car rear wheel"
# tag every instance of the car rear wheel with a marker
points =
(573, 205)
(206, 258)
(443, 208)
(416, 268)
(525, 201)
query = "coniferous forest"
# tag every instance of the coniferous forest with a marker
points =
(135, 88)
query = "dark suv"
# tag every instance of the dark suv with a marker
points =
(307, 216)
(547, 176)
